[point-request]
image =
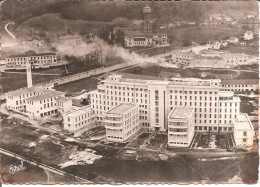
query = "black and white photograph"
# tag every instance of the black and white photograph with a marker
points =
(129, 92)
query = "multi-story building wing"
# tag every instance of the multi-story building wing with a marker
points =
(122, 122)
(240, 85)
(125, 88)
(213, 109)
(180, 127)
(77, 119)
(44, 104)
(243, 131)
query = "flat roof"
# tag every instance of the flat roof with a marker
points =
(181, 113)
(127, 77)
(243, 122)
(77, 112)
(46, 94)
(142, 77)
(121, 109)
(240, 81)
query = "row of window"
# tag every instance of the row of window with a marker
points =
(193, 92)
(126, 88)
(205, 128)
(30, 58)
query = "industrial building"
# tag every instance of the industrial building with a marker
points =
(146, 38)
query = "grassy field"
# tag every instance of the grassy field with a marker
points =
(11, 81)
(155, 70)
(77, 86)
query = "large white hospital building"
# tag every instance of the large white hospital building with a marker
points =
(214, 110)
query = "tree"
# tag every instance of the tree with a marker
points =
(156, 129)
(119, 37)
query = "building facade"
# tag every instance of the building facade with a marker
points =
(64, 104)
(214, 109)
(122, 122)
(183, 57)
(180, 127)
(77, 119)
(240, 85)
(70, 39)
(210, 53)
(234, 59)
(36, 59)
(138, 41)
(243, 131)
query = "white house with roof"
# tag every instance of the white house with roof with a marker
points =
(122, 122)
(34, 101)
(180, 127)
(243, 131)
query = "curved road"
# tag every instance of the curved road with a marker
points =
(8, 30)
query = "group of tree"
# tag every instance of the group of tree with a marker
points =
(112, 37)
(115, 11)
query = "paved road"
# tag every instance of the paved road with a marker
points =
(32, 73)
(45, 167)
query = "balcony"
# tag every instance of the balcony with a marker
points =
(115, 127)
(110, 120)
(178, 124)
(177, 133)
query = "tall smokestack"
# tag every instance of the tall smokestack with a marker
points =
(29, 74)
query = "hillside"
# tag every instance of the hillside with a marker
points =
(54, 23)
(107, 11)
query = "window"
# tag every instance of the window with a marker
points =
(244, 133)
(244, 140)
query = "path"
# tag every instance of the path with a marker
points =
(8, 30)
(33, 73)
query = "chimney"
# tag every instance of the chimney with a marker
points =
(29, 74)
